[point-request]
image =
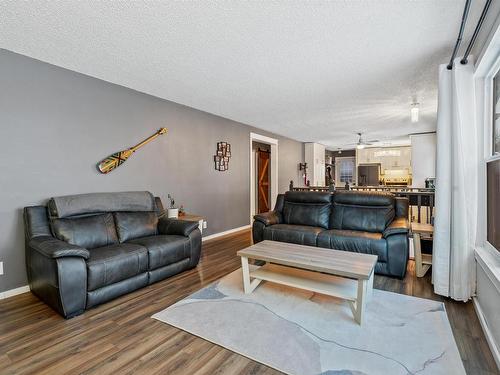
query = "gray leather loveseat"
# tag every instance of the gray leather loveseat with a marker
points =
(363, 222)
(83, 250)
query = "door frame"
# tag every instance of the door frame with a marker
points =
(273, 171)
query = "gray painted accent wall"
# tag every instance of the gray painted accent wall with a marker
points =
(56, 124)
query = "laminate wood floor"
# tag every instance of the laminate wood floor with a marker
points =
(119, 337)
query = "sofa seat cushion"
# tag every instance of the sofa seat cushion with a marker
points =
(299, 234)
(111, 264)
(164, 250)
(355, 241)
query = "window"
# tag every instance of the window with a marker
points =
(496, 115)
(493, 172)
(493, 202)
(344, 170)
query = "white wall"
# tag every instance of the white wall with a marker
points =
(423, 158)
(56, 124)
(315, 159)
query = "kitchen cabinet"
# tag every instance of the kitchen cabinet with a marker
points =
(387, 157)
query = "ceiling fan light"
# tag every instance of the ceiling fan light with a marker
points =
(360, 146)
(414, 113)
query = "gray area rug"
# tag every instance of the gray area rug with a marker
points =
(302, 333)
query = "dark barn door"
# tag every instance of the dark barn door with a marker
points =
(263, 158)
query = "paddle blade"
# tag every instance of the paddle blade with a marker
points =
(113, 161)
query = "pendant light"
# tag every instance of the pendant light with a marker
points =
(414, 112)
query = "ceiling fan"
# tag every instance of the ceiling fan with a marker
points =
(361, 143)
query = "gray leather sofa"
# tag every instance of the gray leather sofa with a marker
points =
(83, 250)
(364, 222)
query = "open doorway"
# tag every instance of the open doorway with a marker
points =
(263, 173)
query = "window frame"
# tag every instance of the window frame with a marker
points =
(338, 160)
(493, 113)
(488, 142)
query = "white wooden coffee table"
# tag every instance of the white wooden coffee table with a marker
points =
(341, 274)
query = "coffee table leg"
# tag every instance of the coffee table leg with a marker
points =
(369, 288)
(360, 301)
(246, 275)
(248, 284)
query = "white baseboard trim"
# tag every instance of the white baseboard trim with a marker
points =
(220, 234)
(14, 292)
(487, 333)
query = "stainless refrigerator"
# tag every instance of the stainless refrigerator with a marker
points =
(369, 174)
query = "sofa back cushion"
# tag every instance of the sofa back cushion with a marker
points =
(132, 225)
(88, 232)
(363, 211)
(94, 203)
(307, 208)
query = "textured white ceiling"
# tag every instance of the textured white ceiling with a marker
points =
(311, 70)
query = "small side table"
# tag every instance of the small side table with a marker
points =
(422, 261)
(191, 217)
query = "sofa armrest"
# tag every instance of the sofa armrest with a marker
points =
(53, 248)
(398, 226)
(268, 218)
(195, 247)
(57, 274)
(176, 227)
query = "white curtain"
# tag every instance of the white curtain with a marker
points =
(453, 267)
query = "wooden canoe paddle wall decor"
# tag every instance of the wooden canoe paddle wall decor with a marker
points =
(118, 158)
(221, 158)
